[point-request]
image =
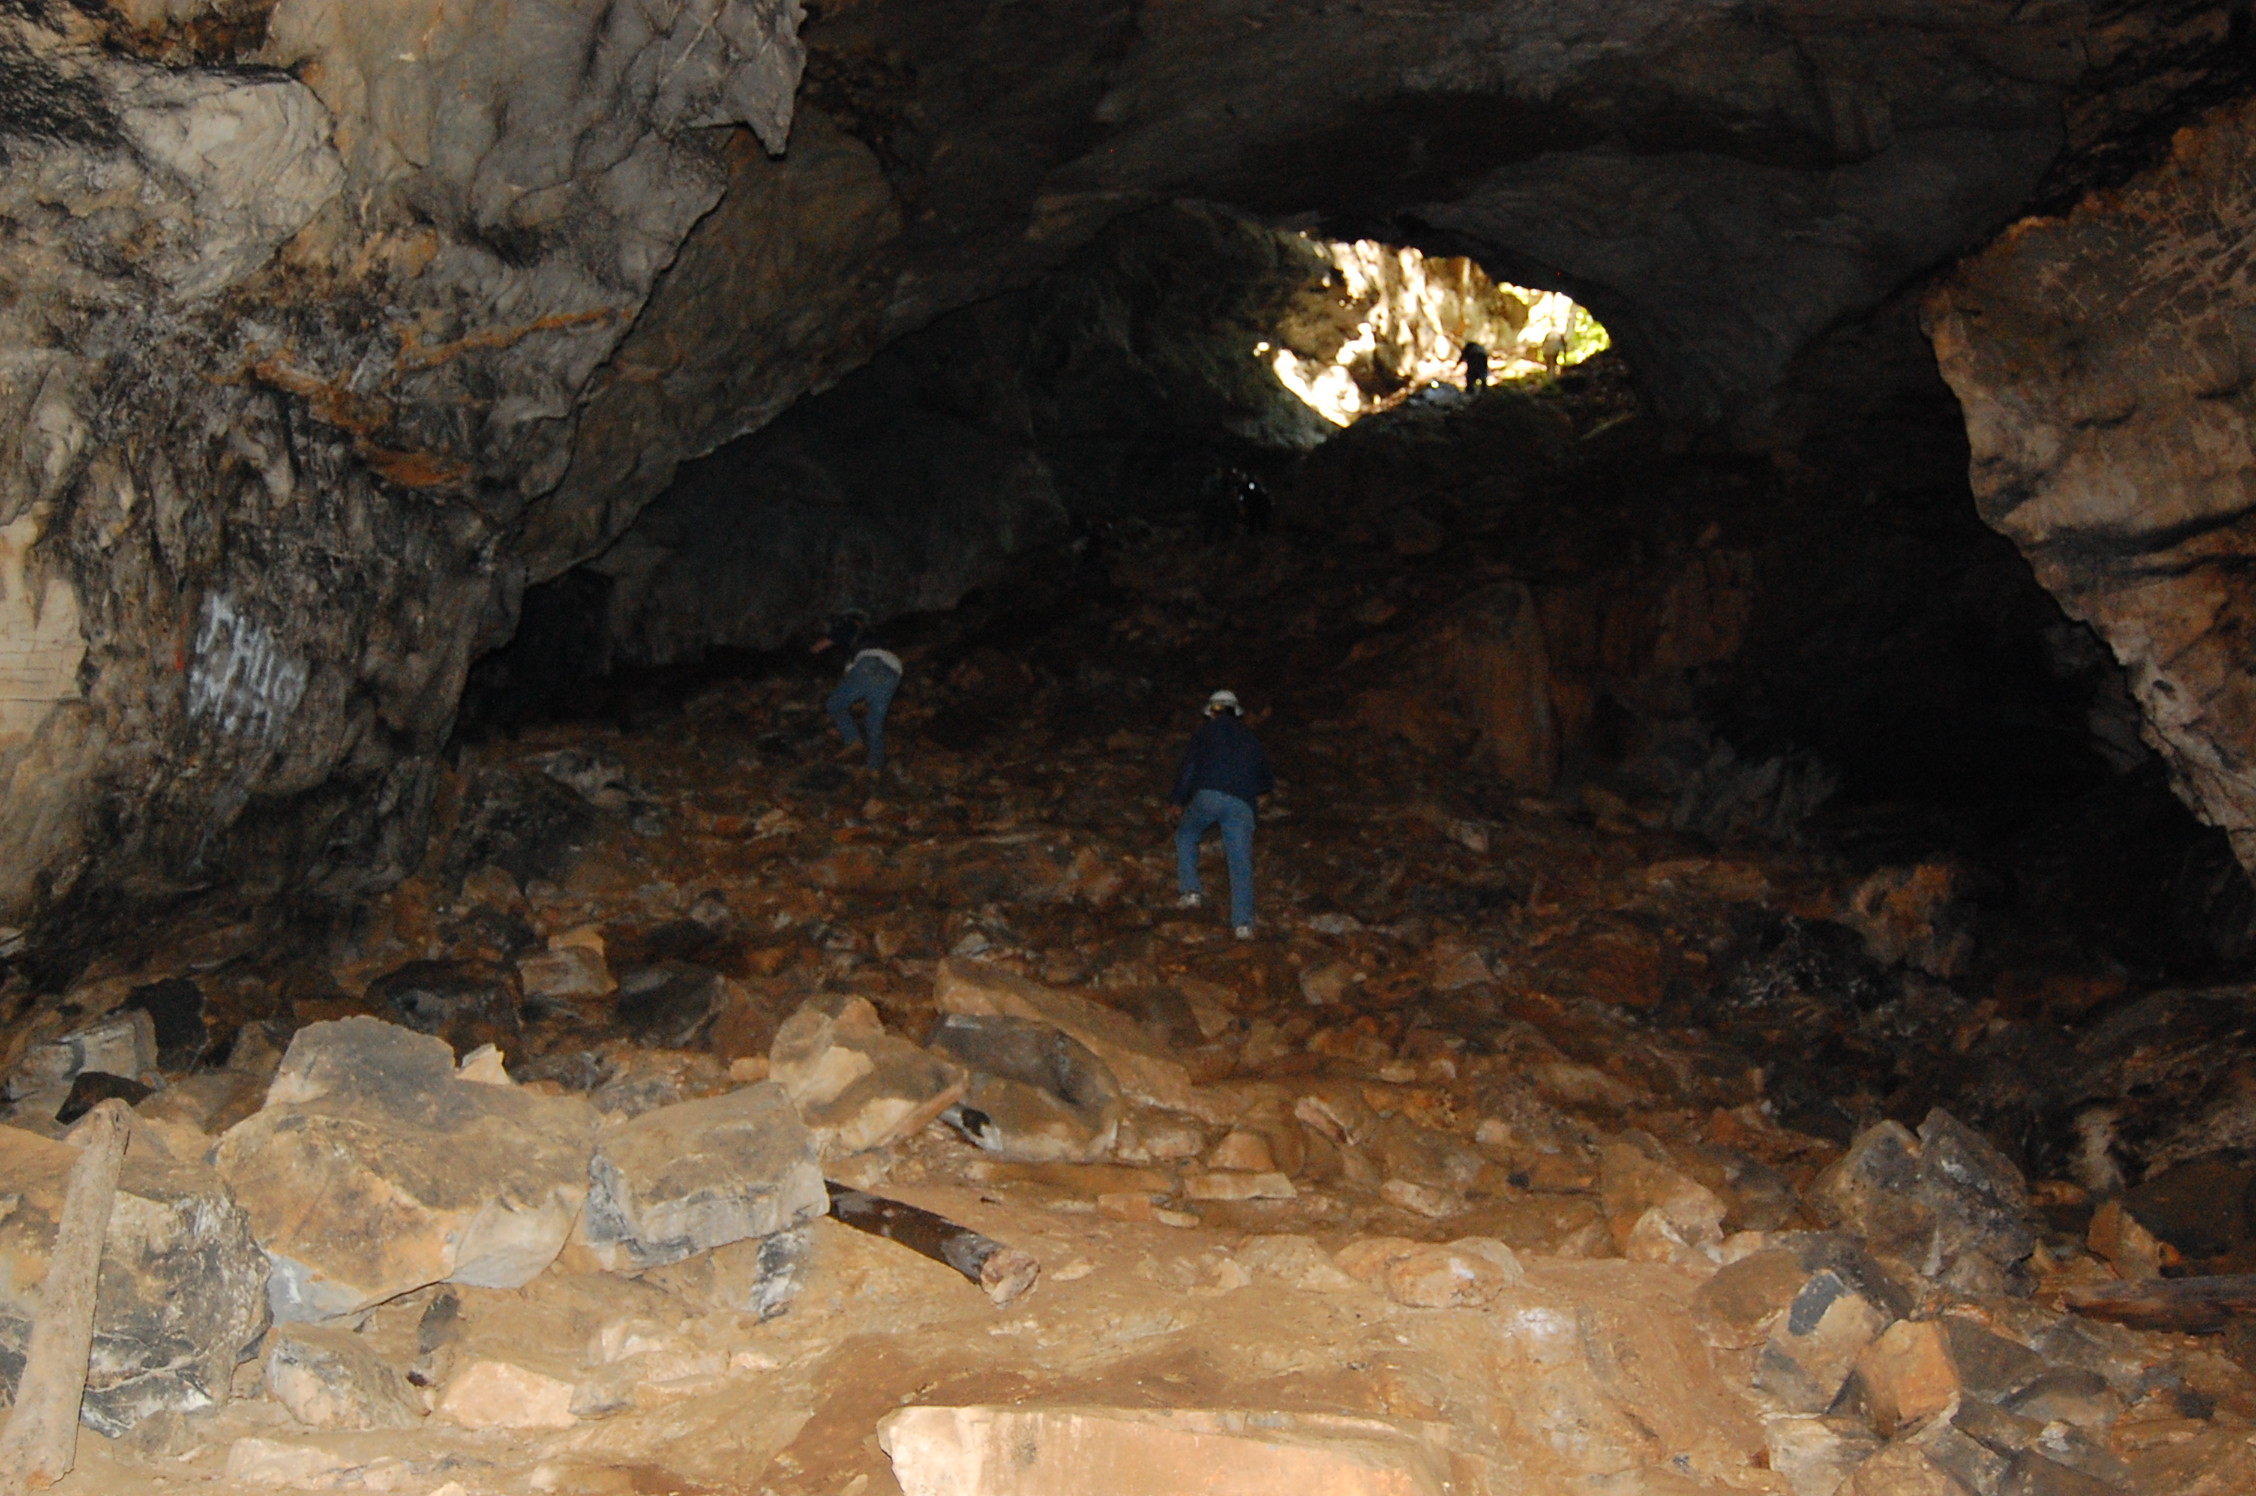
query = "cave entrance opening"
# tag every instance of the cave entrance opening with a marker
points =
(1388, 323)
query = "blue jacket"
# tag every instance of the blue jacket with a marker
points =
(1224, 755)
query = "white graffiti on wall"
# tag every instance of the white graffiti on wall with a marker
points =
(241, 678)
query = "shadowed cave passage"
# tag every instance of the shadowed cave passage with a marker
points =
(1749, 982)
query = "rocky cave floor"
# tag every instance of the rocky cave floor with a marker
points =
(1667, 1070)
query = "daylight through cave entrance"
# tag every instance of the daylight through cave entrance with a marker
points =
(1394, 321)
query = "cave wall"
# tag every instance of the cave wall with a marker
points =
(2106, 362)
(299, 302)
(330, 326)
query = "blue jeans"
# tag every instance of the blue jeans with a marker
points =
(1207, 808)
(872, 682)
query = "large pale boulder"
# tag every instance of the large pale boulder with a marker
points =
(857, 1086)
(182, 1292)
(685, 1179)
(374, 1169)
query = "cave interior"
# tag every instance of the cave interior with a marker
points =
(1764, 758)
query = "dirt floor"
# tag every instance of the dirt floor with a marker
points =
(1463, 990)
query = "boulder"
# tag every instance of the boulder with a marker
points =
(2124, 1242)
(858, 1087)
(1011, 1451)
(124, 1043)
(1816, 1454)
(1945, 1203)
(565, 974)
(487, 1394)
(329, 1377)
(182, 1294)
(374, 1169)
(1814, 1346)
(1656, 1212)
(1906, 1374)
(1037, 1094)
(1948, 1447)
(962, 986)
(685, 1179)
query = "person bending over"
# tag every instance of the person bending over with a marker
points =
(1223, 773)
(872, 676)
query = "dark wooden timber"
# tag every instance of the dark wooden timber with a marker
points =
(2199, 1306)
(1004, 1274)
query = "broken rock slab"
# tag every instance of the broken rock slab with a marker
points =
(329, 1377)
(182, 1292)
(1017, 1451)
(702, 1174)
(374, 1169)
(856, 1086)
(1945, 1203)
(963, 986)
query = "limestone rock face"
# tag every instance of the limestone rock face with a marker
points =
(374, 1169)
(701, 1174)
(338, 293)
(182, 1292)
(2103, 359)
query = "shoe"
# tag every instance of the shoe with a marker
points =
(1191, 901)
(1243, 932)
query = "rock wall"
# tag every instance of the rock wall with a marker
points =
(2106, 361)
(300, 301)
(328, 326)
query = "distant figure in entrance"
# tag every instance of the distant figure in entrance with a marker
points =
(1224, 772)
(1476, 366)
(872, 676)
(1231, 497)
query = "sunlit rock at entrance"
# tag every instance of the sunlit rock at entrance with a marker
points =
(1392, 321)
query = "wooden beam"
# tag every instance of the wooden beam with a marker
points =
(2198, 1306)
(41, 1439)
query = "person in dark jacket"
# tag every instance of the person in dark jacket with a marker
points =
(1224, 772)
(1475, 361)
(872, 676)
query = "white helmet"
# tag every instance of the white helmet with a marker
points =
(1224, 701)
